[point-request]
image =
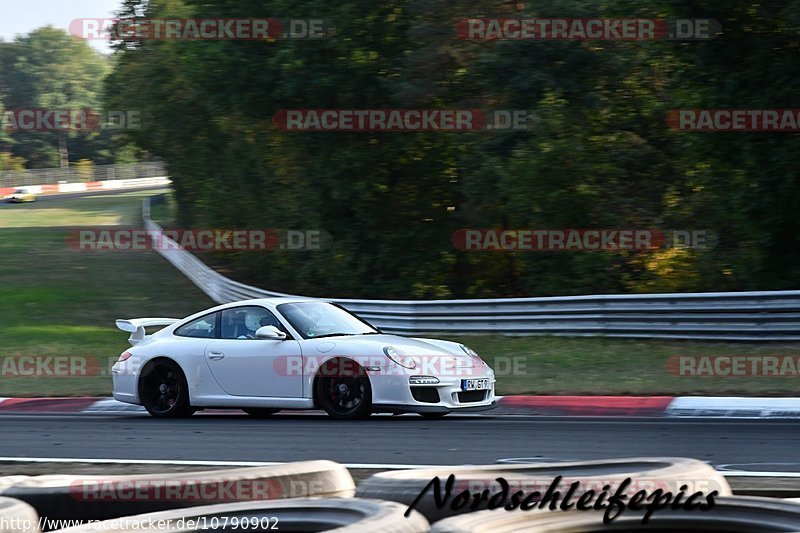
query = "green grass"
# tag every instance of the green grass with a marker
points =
(560, 365)
(99, 210)
(57, 302)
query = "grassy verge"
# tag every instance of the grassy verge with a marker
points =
(559, 365)
(60, 302)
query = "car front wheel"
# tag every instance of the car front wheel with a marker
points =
(345, 397)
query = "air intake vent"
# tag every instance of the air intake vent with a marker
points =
(425, 394)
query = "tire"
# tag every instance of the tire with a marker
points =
(8, 481)
(17, 517)
(343, 396)
(302, 514)
(163, 390)
(732, 514)
(61, 497)
(649, 473)
(260, 412)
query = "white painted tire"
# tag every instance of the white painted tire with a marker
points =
(303, 514)
(17, 517)
(731, 514)
(101, 497)
(648, 473)
(7, 481)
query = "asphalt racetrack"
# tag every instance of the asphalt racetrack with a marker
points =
(396, 440)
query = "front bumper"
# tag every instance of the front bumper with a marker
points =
(395, 394)
(423, 408)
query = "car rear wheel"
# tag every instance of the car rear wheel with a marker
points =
(345, 396)
(259, 412)
(163, 390)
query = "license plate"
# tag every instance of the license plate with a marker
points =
(474, 384)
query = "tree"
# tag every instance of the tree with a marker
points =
(600, 155)
(52, 70)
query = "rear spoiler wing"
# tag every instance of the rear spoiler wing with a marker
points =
(136, 326)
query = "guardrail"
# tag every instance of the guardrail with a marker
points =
(51, 176)
(737, 316)
(92, 186)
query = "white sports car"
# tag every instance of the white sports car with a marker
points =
(271, 354)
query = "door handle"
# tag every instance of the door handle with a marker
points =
(216, 356)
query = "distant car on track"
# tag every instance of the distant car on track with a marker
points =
(20, 195)
(271, 354)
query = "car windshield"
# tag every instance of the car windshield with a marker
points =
(321, 319)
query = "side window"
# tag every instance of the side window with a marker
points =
(204, 327)
(242, 322)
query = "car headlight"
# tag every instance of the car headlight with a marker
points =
(403, 360)
(472, 353)
(469, 351)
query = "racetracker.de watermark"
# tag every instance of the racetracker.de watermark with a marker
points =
(54, 366)
(400, 120)
(200, 29)
(586, 29)
(51, 119)
(379, 365)
(198, 240)
(771, 120)
(182, 490)
(734, 366)
(598, 239)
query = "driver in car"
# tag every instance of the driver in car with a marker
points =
(245, 324)
(251, 321)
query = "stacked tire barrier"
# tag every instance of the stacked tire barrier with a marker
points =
(321, 496)
(67, 497)
(305, 514)
(17, 516)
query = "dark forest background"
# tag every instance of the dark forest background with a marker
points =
(600, 156)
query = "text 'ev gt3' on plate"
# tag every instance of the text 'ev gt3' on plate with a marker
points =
(271, 354)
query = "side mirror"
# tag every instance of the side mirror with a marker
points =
(270, 333)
